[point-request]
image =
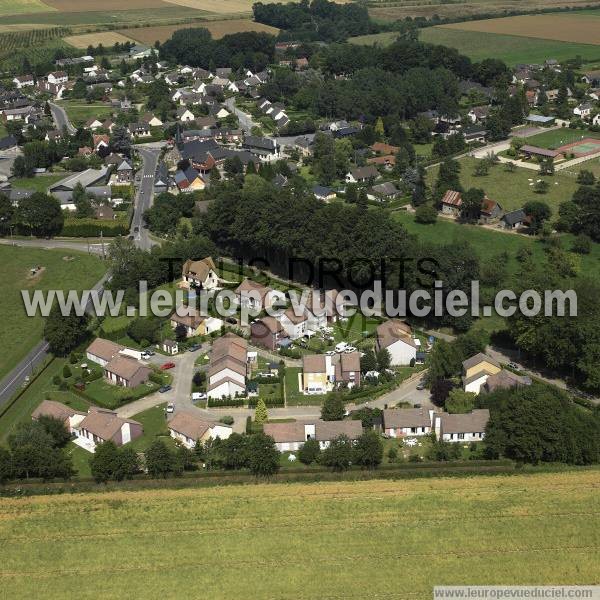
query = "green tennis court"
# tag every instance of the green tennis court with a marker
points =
(582, 148)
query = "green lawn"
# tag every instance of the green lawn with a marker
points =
(512, 189)
(81, 459)
(112, 396)
(346, 539)
(79, 111)
(19, 333)
(294, 397)
(559, 137)
(155, 424)
(509, 48)
(37, 184)
(23, 7)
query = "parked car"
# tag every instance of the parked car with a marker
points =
(165, 388)
(196, 396)
(330, 353)
(193, 347)
(167, 365)
(514, 366)
(149, 351)
(421, 385)
(170, 407)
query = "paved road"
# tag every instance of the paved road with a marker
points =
(144, 196)
(61, 118)
(245, 120)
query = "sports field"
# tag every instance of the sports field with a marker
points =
(61, 269)
(512, 49)
(148, 35)
(555, 138)
(373, 539)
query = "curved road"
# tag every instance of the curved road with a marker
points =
(61, 119)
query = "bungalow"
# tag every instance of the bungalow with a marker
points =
(324, 193)
(195, 324)
(290, 437)
(50, 408)
(401, 422)
(189, 429)
(476, 370)
(451, 203)
(200, 274)
(267, 332)
(102, 351)
(383, 191)
(101, 425)
(362, 174)
(396, 336)
(468, 427)
(228, 367)
(126, 372)
(514, 219)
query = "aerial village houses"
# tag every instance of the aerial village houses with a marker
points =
(255, 296)
(195, 324)
(189, 429)
(269, 333)
(126, 371)
(50, 408)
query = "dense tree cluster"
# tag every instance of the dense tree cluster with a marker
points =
(196, 47)
(539, 423)
(316, 20)
(35, 450)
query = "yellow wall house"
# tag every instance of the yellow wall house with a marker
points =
(476, 370)
(316, 375)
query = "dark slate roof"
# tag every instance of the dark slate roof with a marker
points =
(514, 217)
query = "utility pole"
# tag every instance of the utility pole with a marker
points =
(102, 242)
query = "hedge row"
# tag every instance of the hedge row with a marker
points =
(269, 402)
(93, 228)
(226, 402)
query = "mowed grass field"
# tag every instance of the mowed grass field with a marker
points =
(19, 333)
(148, 35)
(106, 38)
(15, 7)
(513, 190)
(512, 49)
(372, 539)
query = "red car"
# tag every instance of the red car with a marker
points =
(167, 365)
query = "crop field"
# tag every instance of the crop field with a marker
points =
(10, 41)
(148, 35)
(581, 28)
(512, 49)
(106, 38)
(104, 5)
(227, 7)
(61, 270)
(370, 539)
(15, 7)
(386, 10)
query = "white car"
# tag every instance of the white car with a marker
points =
(350, 349)
(170, 407)
(341, 347)
(330, 352)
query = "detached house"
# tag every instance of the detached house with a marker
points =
(362, 174)
(583, 110)
(256, 296)
(124, 172)
(200, 274)
(102, 351)
(23, 81)
(397, 337)
(189, 429)
(268, 332)
(476, 371)
(49, 408)
(400, 422)
(102, 425)
(451, 203)
(469, 427)
(195, 324)
(57, 77)
(126, 372)
(184, 114)
(226, 375)
(290, 437)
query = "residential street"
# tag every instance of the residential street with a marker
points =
(61, 118)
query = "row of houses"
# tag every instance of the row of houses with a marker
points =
(228, 367)
(120, 364)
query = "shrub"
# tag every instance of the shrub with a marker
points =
(309, 452)
(56, 380)
(226, 420)
(67, 372)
